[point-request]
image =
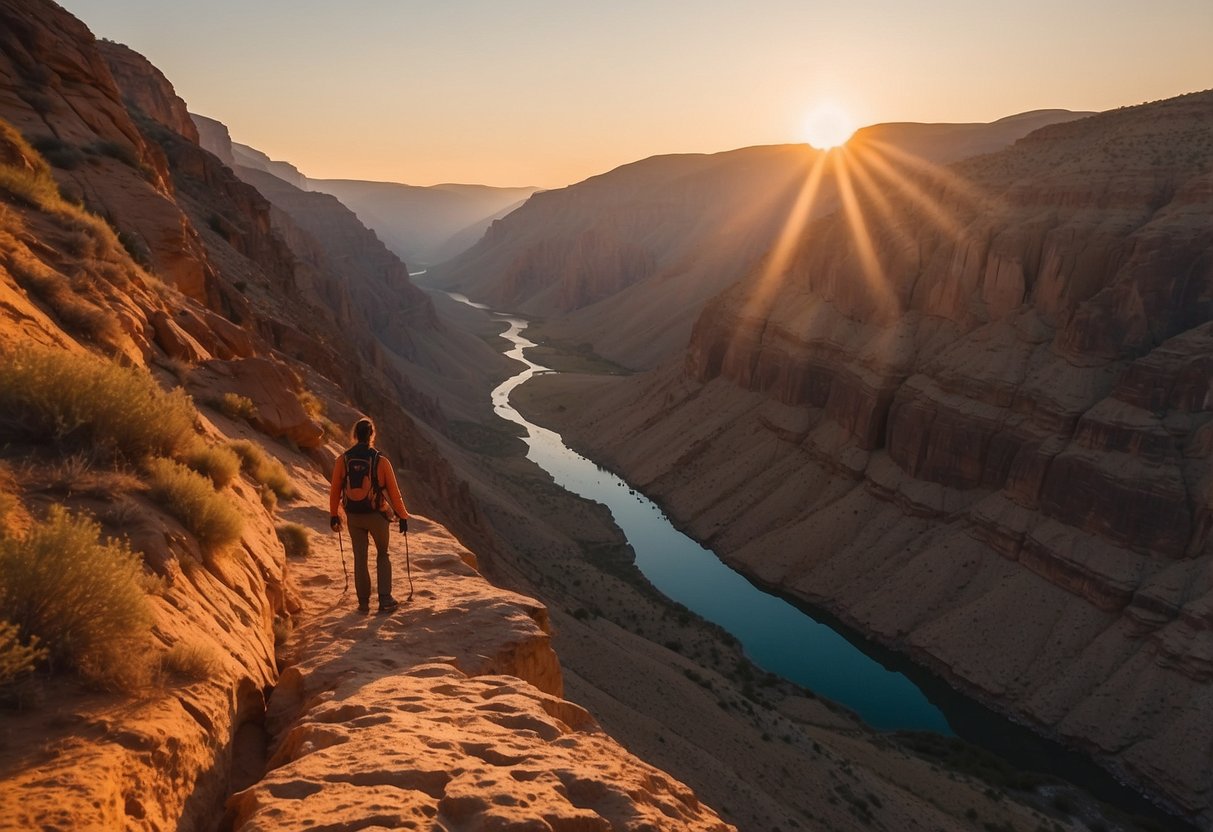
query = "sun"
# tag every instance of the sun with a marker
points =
(827, 126)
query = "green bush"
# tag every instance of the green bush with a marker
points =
(236, 407)
(85, 600)
(264, 468)
(17, 659)
(219, 463)
(295, 539)
(190, 497)
(84, 402)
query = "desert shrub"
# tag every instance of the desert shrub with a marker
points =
(77, 315)
(135, 248)
(268, 498)
(86, 402)
(264, 468)
(235, 406)
(59, 153)
(115, 150)
(35, 188)
(295, 539)
(84, 599)
(219, 463)
(8, 503)
(311, 403)
(282, 631)
(191, 661)
(17, 659)
(187, 495)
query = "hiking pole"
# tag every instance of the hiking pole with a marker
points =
(344, 570)
(408, 565)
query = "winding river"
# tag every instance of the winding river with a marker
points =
(776, 636)
(800, 644)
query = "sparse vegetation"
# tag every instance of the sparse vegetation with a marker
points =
(79, 401)
(295, 539)
(84, 599)
(115, 150)
(192, 660)
(282, 631)
(59, 153)
(221, 464)
(8, 503)
(190, 497)
(75, 312)
(33, 185)
(17, 659)
(264, 469)
(237, 407)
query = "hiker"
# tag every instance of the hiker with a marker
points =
(364, 484)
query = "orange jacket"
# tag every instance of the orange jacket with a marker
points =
(387, 481)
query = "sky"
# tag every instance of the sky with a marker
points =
(549, 92)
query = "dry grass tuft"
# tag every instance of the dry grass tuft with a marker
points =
(219, 463)
(195, 661)
(265, 469)
(17, 659)
(68, 303)
(85, 600)
(209, 516)
(236, 407)
(34, 186)
(296, 539)
(82, 402)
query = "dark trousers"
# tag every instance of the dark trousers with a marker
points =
(364, 527)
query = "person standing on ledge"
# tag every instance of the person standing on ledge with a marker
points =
(364, 484)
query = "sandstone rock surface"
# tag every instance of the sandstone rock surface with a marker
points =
(447, 712)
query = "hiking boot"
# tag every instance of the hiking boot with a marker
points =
(388, 604)
(364, 607)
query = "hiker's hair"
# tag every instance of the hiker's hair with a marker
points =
(364, 429)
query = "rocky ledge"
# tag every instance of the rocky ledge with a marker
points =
(447, 711)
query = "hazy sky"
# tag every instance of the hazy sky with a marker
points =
(548, 92)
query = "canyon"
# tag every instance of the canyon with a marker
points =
(217, 277)
(623, 263)
(969, 413)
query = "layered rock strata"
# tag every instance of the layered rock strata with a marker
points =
(973, 417)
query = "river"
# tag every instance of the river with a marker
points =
(775, 635)
(802, 645)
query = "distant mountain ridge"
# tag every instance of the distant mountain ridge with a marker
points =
(425, 225)
(625, 260)
(943, 143)
(421, 225)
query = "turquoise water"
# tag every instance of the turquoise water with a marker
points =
(790, 641)
(776, 635)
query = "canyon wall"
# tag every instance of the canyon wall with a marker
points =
(123, 243)
(973, 416)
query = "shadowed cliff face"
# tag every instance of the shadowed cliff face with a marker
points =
(972, 413)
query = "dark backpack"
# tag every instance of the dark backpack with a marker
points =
(361, 492)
